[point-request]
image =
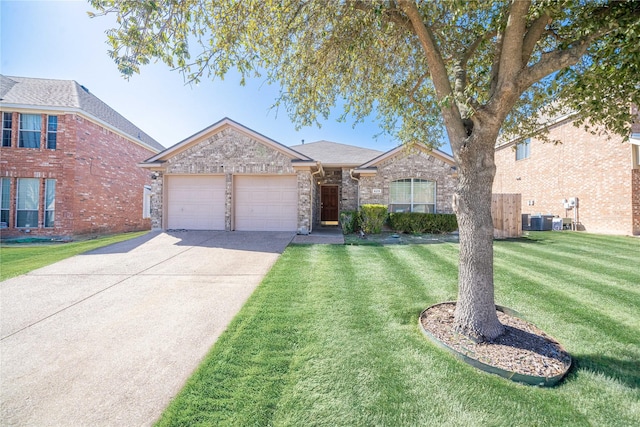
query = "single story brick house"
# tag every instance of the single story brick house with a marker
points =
(590, 179)
(229, 177)
(68, 162)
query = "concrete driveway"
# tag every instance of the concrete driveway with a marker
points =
(109, 337)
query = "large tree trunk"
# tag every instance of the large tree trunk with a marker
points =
(475, 314)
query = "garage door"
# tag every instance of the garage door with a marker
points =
(266, 203)
(195, 202)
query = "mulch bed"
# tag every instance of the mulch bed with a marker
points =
(522, 348)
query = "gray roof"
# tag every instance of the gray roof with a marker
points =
(43, 93)
(333, 153)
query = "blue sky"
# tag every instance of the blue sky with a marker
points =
(56, 39)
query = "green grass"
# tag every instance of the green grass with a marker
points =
(17, 259)
(331, 338)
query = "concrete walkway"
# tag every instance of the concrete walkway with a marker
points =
(109, 337)
(331, 235)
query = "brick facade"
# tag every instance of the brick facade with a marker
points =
(232, 153)
(99, 188)
(230, 149)
(411, 162)
(602, 173)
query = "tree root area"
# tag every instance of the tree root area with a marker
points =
(522, 348)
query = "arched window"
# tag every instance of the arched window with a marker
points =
(412, 195)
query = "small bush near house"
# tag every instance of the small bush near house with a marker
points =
(373, 218)
(350, 221)
(419, 223)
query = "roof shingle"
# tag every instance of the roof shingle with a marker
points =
(336, 154)
(45, 93)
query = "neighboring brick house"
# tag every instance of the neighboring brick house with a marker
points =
(601, 175)
(229, 177)
(68, 162)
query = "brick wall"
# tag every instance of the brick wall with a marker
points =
(99, 188)
(349, 198)
(595, 170)
(635, 201)
(410, 163)
(108, 183)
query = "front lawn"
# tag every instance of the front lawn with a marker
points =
(18, 258)
(331, 338)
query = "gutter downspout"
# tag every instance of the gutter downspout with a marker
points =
(313, 183)
(357, 189)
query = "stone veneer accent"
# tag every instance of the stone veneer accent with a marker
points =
(306, 195)
(231, 152)
(412, 162)
(349, 196)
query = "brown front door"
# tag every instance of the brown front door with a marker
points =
(328, 203)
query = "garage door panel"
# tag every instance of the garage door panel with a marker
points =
(266, 203)
(196, 202)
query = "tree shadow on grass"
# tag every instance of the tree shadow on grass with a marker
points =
(626, 372)
(386, 238)
(539, 240)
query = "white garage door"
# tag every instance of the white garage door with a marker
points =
(266, 203)
(195, 202)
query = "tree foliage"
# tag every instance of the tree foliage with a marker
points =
(365, 56)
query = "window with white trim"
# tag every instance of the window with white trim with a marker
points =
(635, 144)
(49, 202)
(5, 201)
(27, 202)
(523, 149)
(30, 126)
(52, 132)
(7, 122)
(412, 195)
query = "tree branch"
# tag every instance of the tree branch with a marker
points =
(437, 71)
(391, 13)
(495, 65)
(512, 43)
(460, 69)
(533, 35)
(415, 88)
(554, 61)
(468, 53)
(559, 59)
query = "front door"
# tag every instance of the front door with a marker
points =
(329, 203)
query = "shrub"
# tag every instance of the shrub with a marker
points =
(418, 223)
(350, 221)
(372, 218)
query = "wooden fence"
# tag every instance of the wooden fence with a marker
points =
(506, 210)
